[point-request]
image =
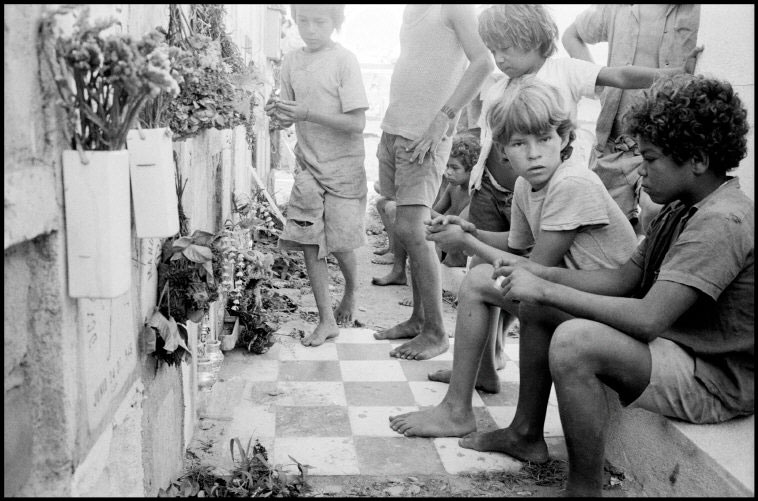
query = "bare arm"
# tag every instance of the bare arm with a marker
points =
(640, 77)
(442, 204)
(644, 319)
(463, 20)
(352, 121)
(574, 44)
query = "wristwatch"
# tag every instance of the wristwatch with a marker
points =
(447, 110)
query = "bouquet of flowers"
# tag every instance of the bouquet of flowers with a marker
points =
(105, 80)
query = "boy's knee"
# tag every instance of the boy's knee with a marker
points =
(569, 346)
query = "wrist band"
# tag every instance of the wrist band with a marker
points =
(447, 110)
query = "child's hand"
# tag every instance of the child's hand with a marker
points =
(506, 264)
(450, 237)
(691, 60)
(292, 111)
(518, 284)
(431, 138)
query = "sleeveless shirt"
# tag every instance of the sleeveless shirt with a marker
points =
(429, 68)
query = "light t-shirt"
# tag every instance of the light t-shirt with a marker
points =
(328, 81)
(574, 79)
(574, 198)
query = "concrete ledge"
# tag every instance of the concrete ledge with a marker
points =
(667, 457)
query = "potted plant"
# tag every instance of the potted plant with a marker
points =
(103, 81)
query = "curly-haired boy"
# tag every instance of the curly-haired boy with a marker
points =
(672, 330)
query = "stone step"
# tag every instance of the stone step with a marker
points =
(670, 458)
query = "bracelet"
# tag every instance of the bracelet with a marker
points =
(447, 110)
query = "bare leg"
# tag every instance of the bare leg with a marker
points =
(425, 280)
(397, 275)
(585, 355)
(454, 416)
(381, 208)
(411, 327)
(487, 378)
(524, 439)
(349, 267)
(318, 274)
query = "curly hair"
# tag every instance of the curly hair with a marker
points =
(526, 26)
(466, 149)
(335, 11)
(529, 105)
(692, 118)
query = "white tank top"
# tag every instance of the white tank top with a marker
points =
(429, 68)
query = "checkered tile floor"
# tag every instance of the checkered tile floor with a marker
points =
(328, 407)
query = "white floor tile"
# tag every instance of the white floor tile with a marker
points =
(428, 393)
(374, 421)
(309, 393)
(457, 459)
(325, 455)
(363, 336)
(256, 370)
(372, 370)
(296, 351)
(252, 421)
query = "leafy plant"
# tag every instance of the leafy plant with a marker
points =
(252, 476)
(104, 80)
(191, 266)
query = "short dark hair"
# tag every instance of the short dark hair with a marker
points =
(336, 12)
(692, 118)
(466, 149)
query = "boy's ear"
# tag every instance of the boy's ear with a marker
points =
(700, 164)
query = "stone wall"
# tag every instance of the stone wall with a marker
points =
(86, 411)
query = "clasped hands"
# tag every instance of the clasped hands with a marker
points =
(520, 282)
(285, 112)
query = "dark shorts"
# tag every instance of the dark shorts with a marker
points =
(490, 209)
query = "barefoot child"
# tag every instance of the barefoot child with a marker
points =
(523, 38)
(562, 214)
(455, 198)
(323, 95)
(672, 330)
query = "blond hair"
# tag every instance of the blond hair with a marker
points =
(529, 105)
(526, 26)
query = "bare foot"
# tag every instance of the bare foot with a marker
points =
(422, 347)
(321, 334)
(391, 278)
(388, 258)
(455, 260)
(346, 309)
(507, 441)
(439, 421)
(482, 383)
(405, 302)
(381, 252)
(407, 329)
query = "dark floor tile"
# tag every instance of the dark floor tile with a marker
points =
(387, 393)
(309, 370)
(416, 370)
(397, 456)
(316, 421)
(358, 351)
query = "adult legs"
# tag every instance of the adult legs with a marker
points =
(454, 416)
(349, 267)
(397, 275)
(523, 438)
(318, 274)
(425, 324)
(585, 356)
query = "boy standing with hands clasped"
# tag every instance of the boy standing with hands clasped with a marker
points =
(323, 95)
